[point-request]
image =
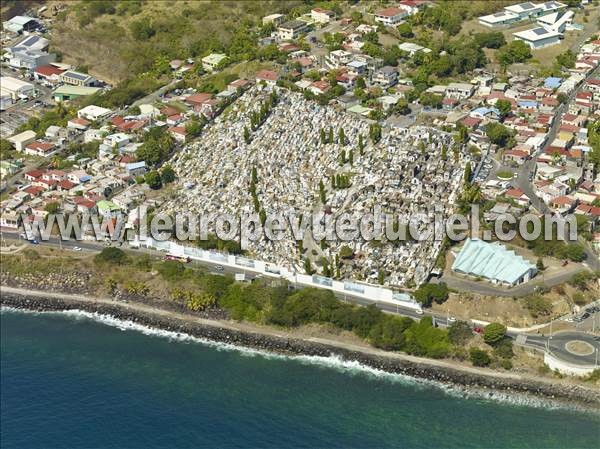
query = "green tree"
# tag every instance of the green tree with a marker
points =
(427, 293)
(467, 175)
(167, 174)
(515, 52)
(479, 357)
(405, 30)
(498, 134)
(52, 207)
(493, 333)
(504, 106)
(153, 180)
(246, 135)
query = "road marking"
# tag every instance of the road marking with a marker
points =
(579, 348)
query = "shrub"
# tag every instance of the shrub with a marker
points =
(459, 333)
(493, 333)
(479, 357)
(504, 349)
(112, 255)
(538, 306)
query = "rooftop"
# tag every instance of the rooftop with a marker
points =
(492, 261)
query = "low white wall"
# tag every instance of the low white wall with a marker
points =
(564, 368)
(367, 291)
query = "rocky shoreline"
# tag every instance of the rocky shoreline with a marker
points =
(467, 381)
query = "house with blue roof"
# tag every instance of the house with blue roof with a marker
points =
(493, 262)
(552, 82)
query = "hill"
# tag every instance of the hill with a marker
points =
(119, 40)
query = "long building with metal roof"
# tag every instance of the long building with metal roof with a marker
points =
(494, 262)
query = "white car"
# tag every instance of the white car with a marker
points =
(76, 248)
(451, 319)
(419, 311)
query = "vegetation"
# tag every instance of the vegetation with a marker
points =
(427, 293)
(494, 332)
(111, 255)
(479, 357)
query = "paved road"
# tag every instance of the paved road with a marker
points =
(557, 346)
(532, 341)
(527, 288)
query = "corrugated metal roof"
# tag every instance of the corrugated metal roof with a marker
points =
(491, 261)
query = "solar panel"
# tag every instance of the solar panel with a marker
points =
(540, 31)
(526, 5)
(77, 76)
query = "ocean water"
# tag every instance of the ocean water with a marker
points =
(71, 381)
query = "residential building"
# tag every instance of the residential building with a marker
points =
(459, 91)
(320, 15)
(291, 29)
(411, 48)
(213, 61)
(337, 58)
(275, 19)
(357, 68)
(43, 149)
(93, 113)
(48, 73)
(557, 21)
(391, 16)
(386, 77)
(267, 76)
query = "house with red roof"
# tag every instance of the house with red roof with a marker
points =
(518, 156)
(238, 84)
(319, 87)
(42, 149)
(79, 124)
(269, 77)
(471, 123)
(48, 73)
(179, 133)
(563, 204)
(518, 196)
(391, 16)
(198, 99)
(33, 174)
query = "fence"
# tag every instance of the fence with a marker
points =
(366, 291)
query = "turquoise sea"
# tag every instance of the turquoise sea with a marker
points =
(71, 381)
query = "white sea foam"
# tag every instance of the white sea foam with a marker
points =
(332, 362)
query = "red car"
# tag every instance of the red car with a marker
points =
(477, 330)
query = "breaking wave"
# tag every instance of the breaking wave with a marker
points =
(335, 362)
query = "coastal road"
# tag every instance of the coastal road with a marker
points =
(559, 345)
(555, 344)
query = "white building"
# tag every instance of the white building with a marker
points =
(411, 48)
(499, 19)
(525, 10)
(21, 140)
(556, 21)
(273, 18)
(337, 59)
(459, 91)
(538, 38)
(212, 62)
(320, 15)
(291, 30)
(93, 113)
(16, 88)
(391, 16)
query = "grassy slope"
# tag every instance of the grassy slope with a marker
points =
(110, 51)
